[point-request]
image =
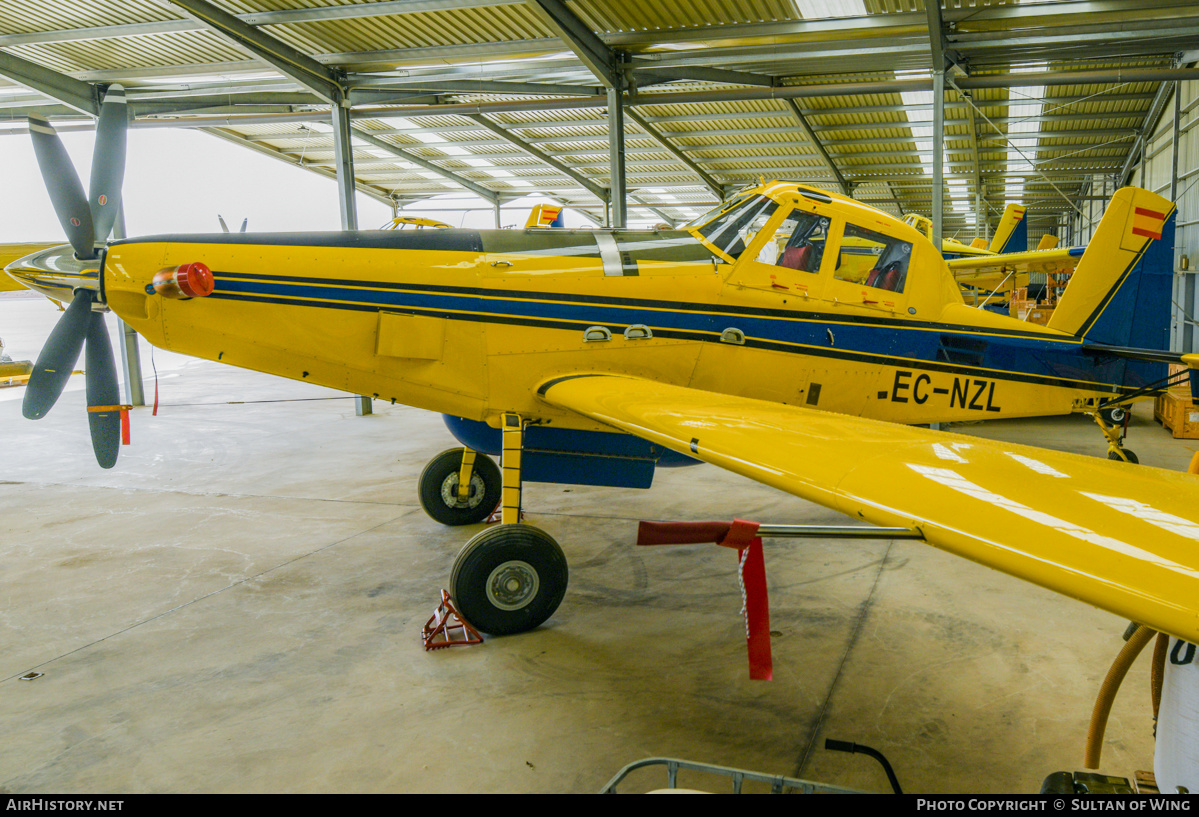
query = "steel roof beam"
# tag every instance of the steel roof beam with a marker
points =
(879, 25)
(69, 91)
(810, 135)
(674, 151)
(699, 73)
(478, 189)
(303, 69)
(936, 34)
(466, 86)
(593, 188)
(592, 51)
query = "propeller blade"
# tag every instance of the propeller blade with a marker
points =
(102, 390)
(244, 223)
(108, 162)
(57, 358)
(62, 182)
(224, 226)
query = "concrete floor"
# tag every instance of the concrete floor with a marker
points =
(236, 607)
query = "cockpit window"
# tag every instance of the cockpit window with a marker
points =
(733, 229)
(799, 242)
(873, 259)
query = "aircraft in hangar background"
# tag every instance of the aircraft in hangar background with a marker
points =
(759, 338)
(990, 273)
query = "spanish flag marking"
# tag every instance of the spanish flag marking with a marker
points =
(1148, 223)
(1018, 213)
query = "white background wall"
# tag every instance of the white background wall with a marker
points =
(1155, 173)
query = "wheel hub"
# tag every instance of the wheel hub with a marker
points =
(449, 492)
(512, 585)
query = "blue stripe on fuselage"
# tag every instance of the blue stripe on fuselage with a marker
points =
(955, 347)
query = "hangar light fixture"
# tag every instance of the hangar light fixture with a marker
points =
(821, 9)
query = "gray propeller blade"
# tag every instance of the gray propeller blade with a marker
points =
(108, 162)
(57, 358)
(105, 426)
(224, 226)
(244, 223)
(62, 182)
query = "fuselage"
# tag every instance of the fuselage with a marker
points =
(469, 323)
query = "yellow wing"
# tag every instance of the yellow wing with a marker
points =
(1122, 537)
(1058, 260)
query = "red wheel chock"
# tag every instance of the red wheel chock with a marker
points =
(447, 628)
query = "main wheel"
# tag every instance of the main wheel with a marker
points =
(438, 489)
(509, 579)
(1114, 416)
(1112, 455)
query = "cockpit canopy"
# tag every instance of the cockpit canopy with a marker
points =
(839, 242)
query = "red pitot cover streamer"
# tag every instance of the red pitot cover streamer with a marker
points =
(743, 537)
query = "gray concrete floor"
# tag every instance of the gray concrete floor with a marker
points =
(236, 607)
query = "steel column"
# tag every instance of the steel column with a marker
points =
(1184, 331)
(344, 151)
(344, 156)
(616, 186)
(938, 153)
(1174, 143)
(131, 361)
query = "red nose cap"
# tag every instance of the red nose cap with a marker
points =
(194, 280)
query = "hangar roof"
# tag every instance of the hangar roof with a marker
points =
(509, 97)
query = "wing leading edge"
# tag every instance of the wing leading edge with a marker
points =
(1123, 538)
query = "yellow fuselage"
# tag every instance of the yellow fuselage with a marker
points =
(473, 333)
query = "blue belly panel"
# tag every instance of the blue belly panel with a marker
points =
(566, 456)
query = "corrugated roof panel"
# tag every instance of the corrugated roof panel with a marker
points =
(142, 51)
(612, 16)
(450, 27)
(23, 18)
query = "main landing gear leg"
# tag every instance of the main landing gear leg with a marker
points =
(1113, 428)
(509, 578)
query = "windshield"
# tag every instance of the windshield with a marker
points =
(735, 227)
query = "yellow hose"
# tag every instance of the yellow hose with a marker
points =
(1107, 692)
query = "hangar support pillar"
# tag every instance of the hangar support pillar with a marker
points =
(131, 359)
(344, 157)
(938, 153)
(618, 216)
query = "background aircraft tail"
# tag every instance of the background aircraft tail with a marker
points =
(1012, 233)
(545, 215)
(1119, 294)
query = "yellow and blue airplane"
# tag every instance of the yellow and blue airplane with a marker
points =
(748, 339)
(1011, 236)
(990, 273)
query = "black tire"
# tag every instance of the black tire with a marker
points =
(509, 579)
(438, 489)
(1112, 455)
(1114, 416)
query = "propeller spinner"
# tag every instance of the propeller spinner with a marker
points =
(87, 222)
